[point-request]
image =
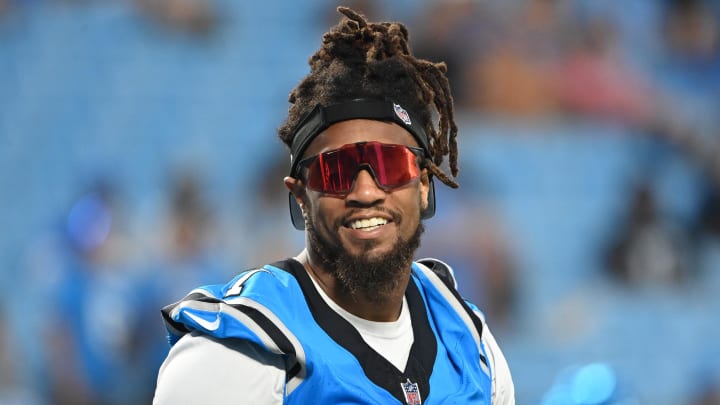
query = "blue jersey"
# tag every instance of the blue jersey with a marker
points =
(327, 361)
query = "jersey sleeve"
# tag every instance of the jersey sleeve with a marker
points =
(201, 369)
(503, 392)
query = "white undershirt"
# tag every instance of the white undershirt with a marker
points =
(392, 340)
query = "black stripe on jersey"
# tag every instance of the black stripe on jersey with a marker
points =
(377, 369)
(444, 273)
(179, 326)
(258, 318)
(282, 342)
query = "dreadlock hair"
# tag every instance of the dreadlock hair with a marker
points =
(359, 59)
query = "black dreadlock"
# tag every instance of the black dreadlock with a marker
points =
(359, 59)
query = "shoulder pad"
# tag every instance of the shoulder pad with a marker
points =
(441, 269)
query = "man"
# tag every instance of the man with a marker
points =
(351, 319)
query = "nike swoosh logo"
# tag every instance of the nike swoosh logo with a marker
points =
(211, 326)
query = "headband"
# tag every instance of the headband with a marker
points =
(320, 118)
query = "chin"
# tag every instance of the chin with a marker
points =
(369, 249)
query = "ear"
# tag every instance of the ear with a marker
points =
(296, 188)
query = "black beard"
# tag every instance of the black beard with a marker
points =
(373, 278)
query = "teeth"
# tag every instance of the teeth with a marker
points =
(368, 224)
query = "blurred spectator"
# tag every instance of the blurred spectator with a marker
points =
(183, 254)
(707, 395)
(647, 247)
(85, 274)
(190, 220)
(185, 248)
(588, 384)
(594, 80)
(700, 144)
(514, 76)
(5, 6)
(708, 222)
(706, 389)
(270, 214)
(703, 151)
(197, 17)
(497, 264)
(507, 82)
(7, 368)
(689, 69)
(11, 389)
(457, 33)
(692, 31)
(482, 256)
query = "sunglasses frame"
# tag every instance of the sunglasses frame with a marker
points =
(305, 164)
(298, 220)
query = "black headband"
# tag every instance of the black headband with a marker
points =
(322, 117)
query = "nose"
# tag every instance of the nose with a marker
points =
(365, 191)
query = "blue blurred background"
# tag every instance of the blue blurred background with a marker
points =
(138, 159)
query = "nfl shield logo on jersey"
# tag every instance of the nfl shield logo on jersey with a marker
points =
(402, 114)
(412, 393)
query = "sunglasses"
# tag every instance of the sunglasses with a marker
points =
(334, 171)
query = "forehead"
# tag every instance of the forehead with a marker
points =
(359, 130)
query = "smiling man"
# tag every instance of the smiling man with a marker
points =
(362, 234)
(352, 318)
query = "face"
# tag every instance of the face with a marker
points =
(368, 224)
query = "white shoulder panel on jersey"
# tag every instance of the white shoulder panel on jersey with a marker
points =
(197, 370)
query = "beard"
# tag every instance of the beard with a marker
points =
(374, 278)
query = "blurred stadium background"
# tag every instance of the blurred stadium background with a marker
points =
(138, 159)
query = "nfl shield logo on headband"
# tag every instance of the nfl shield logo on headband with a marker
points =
(402, 114)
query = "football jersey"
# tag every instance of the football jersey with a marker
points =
(326, 360)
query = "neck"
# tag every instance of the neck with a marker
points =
(379, 309)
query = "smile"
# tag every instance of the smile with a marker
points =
(368, 224)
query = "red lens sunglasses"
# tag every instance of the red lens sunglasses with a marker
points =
(334, 171)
